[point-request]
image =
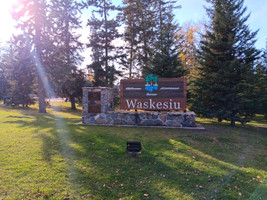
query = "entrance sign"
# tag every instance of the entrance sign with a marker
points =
(153, 93)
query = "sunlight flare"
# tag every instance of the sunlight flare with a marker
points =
(6, 21)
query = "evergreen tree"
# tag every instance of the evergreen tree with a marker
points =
(165, 61)
(140, 21)
(261, 89)
(224, 88)
(104, 31)
(23, 75)
(19, 72)
(32, 20)
(6, 68)
(72, 87)
(150, 31)
(67, 56)
(3, 83)
(264, 99)
(130, 18)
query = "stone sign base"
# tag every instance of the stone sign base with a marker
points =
(144, 118)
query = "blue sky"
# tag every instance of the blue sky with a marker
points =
(193, 11)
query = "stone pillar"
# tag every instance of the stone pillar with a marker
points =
(97, 100)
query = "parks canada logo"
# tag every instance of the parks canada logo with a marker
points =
(151, 83)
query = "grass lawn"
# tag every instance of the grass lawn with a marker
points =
(49, 156)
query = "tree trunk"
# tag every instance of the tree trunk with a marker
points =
(232, 121)
(41, 95)
(72, 101)
(106, 46)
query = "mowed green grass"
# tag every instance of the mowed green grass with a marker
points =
(49, 156)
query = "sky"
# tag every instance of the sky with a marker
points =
(192, 11)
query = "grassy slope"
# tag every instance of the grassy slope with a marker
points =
(48, 156)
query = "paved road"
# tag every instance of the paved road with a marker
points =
(56, 99)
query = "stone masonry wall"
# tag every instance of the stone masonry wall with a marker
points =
(146, 118)
(100, 110)
(106, 99)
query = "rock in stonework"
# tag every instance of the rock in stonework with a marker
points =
(84, 113)
(177, 124)
(130, 122)
(163, 117)
(124, 122)
(109, 120)
(186, 123)
(86, 120)
(155, 117)
(157, 122)
(114, 116)
(132, 117)
(117, 122)
(100, 119)
(92, 120)
(171, 117)
(169, 123)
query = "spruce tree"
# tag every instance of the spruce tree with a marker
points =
(19, 72)
(67, 55)
(104, 31)
(130, 18)
(165, 60)
(32, 20)
(140, 18)
(224, 87)
(264, 98)
(261, 84)
(6, 68)
(23, 75)
(150, 32)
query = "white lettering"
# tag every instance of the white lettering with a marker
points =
(176, 105)
(148, 94)
(145, 105)
(139, 105)
(152, 104)
(169, 88)
(131, 104)
(165, 105)
(159, 105)
(132, 88)
(170, 103)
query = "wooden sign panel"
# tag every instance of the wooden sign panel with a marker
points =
(153, 94)
(94, 96)
(94, 108)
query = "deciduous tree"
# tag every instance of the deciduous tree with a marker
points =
(187, 36)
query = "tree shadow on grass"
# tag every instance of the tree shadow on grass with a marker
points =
(165, 170)
(173, 164)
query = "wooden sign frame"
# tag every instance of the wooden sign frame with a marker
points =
(166, 94)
